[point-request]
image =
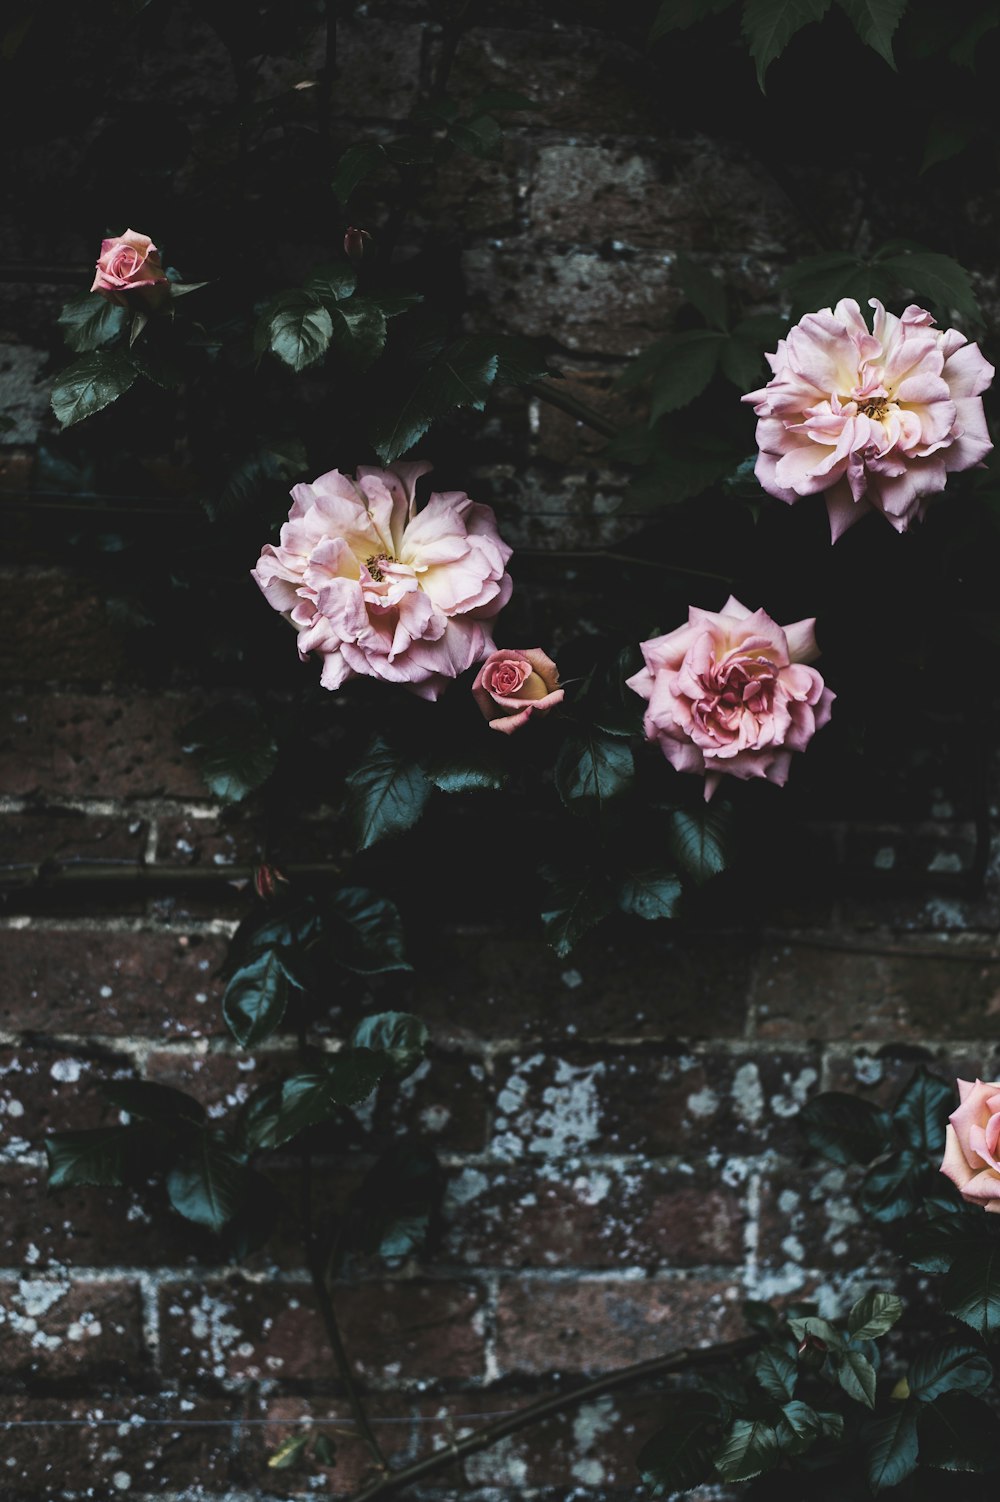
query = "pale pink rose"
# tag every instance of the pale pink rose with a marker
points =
(971, 1158)
(519, 682)
(382, 590)
(729, 695)
(130, 263)
(873, 420)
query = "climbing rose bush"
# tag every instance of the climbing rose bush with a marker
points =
(513, 685)
(129, 263)
(874, 420)
(971, 1142)
(729, 694)
(381, 590)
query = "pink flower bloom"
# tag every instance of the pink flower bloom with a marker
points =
(972, 1140)
(729, 695)
(382, 590)
(129, 263)
(520, 683)
(873, 420)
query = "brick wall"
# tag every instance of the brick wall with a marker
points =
(618, 1129)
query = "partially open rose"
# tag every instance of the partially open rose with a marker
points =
(971, 1159)
(514, 684)
(130, 263)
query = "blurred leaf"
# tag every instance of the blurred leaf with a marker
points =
(255, 999)
(933, 1248)
(845, 1128)
(678, 15)
(947, 135)
(874, 1315)
(699, 840)
(233, 748)
(411, 151)
(91, 320)
(481, 136)
(820, 281)
(331, 283)
(889, 1444)
(315, 1095)
(359, 330)
(289, 1453)
(889, 1190)
(971, 1289)
(750, 1448)
(742, 360)
(704, 291)
(928, 274)
(100, 1157)
(650, 893)
(400, 1035)
(148, 1101)
(579, 900)
(364, 930)
(958, 1433)
(949, 1366)
(875, 21)
(679, 1455)
(207, 1184)
(324, 1450)
(760, 1316)
(461, 376)
(275, 462)
(688, 365)
(297, 328)
(921, 1113)
(90, 384)
(387, 794)
(963, 52)
(396, 1209)
(769, 26)
(357, 163)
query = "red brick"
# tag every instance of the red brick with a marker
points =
(391, 1418)
(218, 841)
(159, 985)
(592, 1216)
(881, 1074)
(394, 1331)
(585, 1326)
(71, 638)
(52, 1089)
(810, 1218)
(54, 1329)
(67, 836)
(565, 440)
(75, 745)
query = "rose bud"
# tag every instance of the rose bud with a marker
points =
(266, 880)
(972, 1144)
(514, 684)
(356, 243)
(812, 1352)
(130, 263)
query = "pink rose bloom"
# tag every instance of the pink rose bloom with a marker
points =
(971, 1142)
(520, 683)
(729, 695)
(381, 590)
(129, 263)
(873, 420)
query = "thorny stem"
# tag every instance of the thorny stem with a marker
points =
(566, 403)
(534, 1413)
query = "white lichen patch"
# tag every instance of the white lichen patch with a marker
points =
(748, 1094)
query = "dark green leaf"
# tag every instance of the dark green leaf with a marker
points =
(397, 1206)
(579, 900)
(679, 1455)
(889, 1190)
(233, 748)
(928, 274)
(817, 1327)
(357, 163)
(324, 1450)
(742, 359)
(874, 1315)
(971, 1290)
(776, 1372)
(769, 26)
(760, 1316)
(297, 328)
(750, 1448)
(958, 1433)
(845, 1128)
(399, 1034)
(181, 289)
(481, 770)
(856, 1376)
(820, 281)
(688, 366)
(950, 1366)
(699, 840)
(461, 376)
(255, 999)
(154, 365)
(890, 1447)
(99, 1157)
(921, 1113)
(314, 1096)
(387, 794)
(650, 893)
(933, 1248)
(678, 15)
(89, 321)
(593, 767)
(963, 52)
(208, 1184)
(274, 463)
(947, 136)
(90, 384)
(481, 136)
(703, 290)
(359, 331)
(797, 1428)
(148, 1101)
(331, 283)
(393, 304)
(875, 21)
(365, 932)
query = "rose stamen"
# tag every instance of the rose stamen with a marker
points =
(374, 565)
(877, 408)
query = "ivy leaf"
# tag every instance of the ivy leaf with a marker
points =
(874, 1315)
(950, 1366)
(699, 840)
(875, 21)
(400, 1035)
(688, 365)
(889, 1444)
(856, 1376)
(921, 1113)
(359, 330)
(255, 999)
(100, 1157)
(312, 1097)
(90, 384)
(579, 900)
(742, 359)
(704, 291)
(593, 767)
(208, 1184)
(148, 1101)
(461, 376)
(650, 893)
(365, 932)
(481, 137)
(958, 1433)
(297, 328)
(776, 1372)
(749, 1449)
(820, 281)
(89, 321)
(330, 284)
(357, 163)
(971, 1290)
(679, 1455)
(233, 748)
(387, 794)
(769, 26)
(845, 1128)
(928, 274)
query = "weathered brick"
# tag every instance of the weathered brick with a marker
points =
(68, 837)
(881, 1074)
(585, 1326)
(810, 1218)
(396, 1332)
(218, 841)
(52, 1088)
(565, 440)
(71, 638)
(157, 985)
(392, 1419)
(54, 1328)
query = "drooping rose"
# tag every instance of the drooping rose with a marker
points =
(972, 1140)
(130, 263)
(729, 694)
(519, 683)
(876, 421)
(382, 590)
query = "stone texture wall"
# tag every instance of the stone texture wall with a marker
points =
(618, 1129)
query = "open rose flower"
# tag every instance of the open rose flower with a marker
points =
(876, 421)
(514, 684)
(972, 1139)
(382, 590)
(729, 694)
(130, 263)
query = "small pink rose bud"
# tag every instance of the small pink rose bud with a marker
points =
(266, 880)
(130, 264)
(356, 243)
(519, 683)
(812, 1352)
